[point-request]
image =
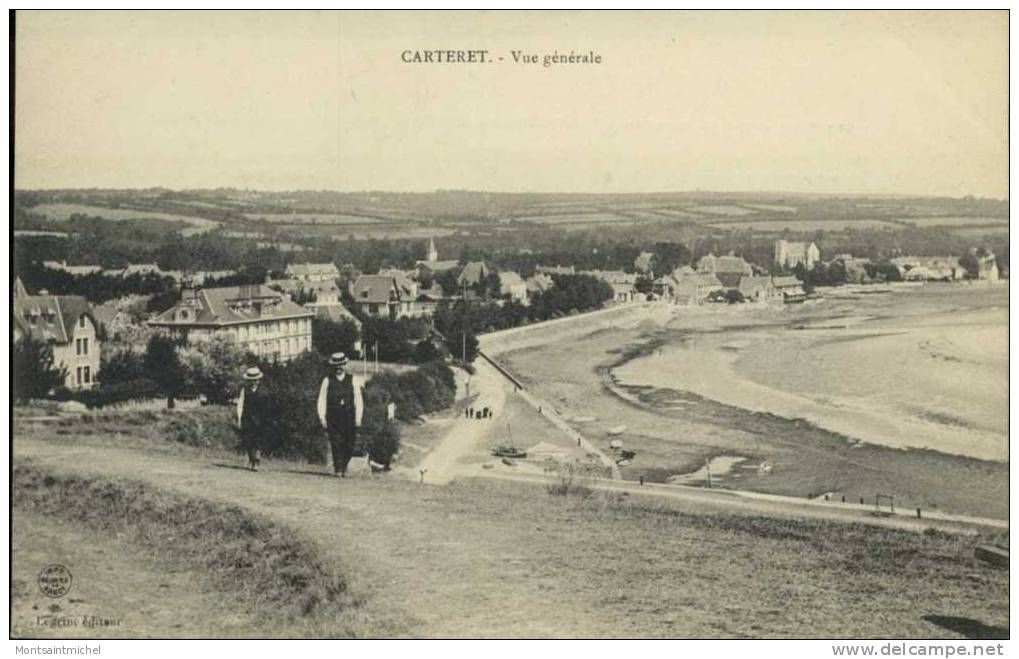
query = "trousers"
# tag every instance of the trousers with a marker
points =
(342, 443)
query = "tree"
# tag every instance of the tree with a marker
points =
(214, 368)
(425, 351)
(329, 336)
(34, 373)
(644, 284)
(121, 366)
(163, 366)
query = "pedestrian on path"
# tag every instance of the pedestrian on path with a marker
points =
(340, 408)
(251, 419)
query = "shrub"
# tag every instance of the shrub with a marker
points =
(571, 480)
(213, 368)
(119, 392)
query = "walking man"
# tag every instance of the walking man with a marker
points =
(251, 418)
(340, 406)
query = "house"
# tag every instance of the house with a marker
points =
(408, 287)
(924, 268)
(790, 254)
(380, 295)
(729, 269)
(759, 289)
(67, 324)
(556, 270)
(313, 271)
(262, 321)
(987, 264)
(644, 262)
(538, 283)
(790, 288)
(623, 292)
(76, 270)
(612, 276)
(513, 287)
(323, 292)
(473, 273)
(694, 287)
(203, 277)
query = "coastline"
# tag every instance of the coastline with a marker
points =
(675, 432)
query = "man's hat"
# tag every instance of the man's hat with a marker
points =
(253, 373)
(338, 359)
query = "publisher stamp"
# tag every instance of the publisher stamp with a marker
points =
(55, 580)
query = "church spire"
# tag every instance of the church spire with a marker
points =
(433, 254)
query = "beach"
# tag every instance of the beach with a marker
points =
(920, 413)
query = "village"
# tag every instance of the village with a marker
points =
(272, 320)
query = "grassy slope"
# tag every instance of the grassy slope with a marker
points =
(112, 580)
(503, 559)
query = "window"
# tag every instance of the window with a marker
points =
(81, 322)
(84, 346)
(79, 376)
(77, 346)
(88, 375)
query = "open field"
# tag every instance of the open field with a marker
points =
(574, 218)
(803, 225)
(722, 210)
(674, 430)
(496, 559)
(947, 221)
(314, 218)
(776, 208)
(63, 212)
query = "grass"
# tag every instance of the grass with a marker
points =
(482, 558)
(259, 562)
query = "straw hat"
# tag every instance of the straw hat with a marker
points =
(338, 359)
(253, 373)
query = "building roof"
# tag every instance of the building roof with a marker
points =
(752, 285)
(231, 305)
(295, 285)
(611, 276)
(539, 283)
(729, 264)
(556, 269)
(313, 270)
(375, 289)
(49, 318)
(785, 281)
(407, 285)
(335, 312)
(510, 278)
(72, 269)
(438, 266)
(473, 272)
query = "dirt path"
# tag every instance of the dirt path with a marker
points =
(440, 466)
(429, 566)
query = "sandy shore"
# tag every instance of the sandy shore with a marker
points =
(904, 384)
(675, 429)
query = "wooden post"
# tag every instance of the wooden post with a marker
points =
(918, 513)
(707, 465)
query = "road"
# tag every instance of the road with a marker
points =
(465, 436)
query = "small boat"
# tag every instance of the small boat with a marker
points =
(617, 430)
(509, 452)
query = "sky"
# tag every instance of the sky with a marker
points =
(828, 102)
